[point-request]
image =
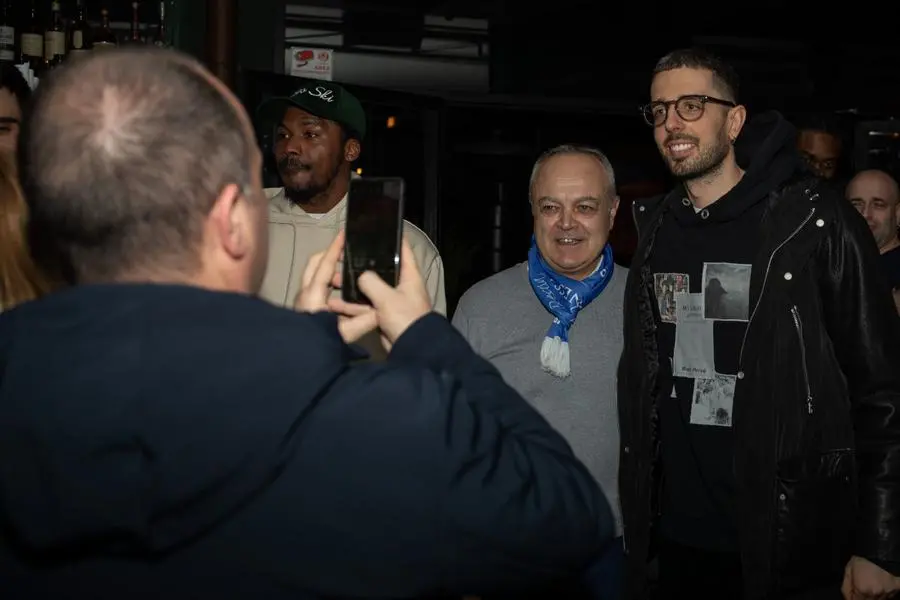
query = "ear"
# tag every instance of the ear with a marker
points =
(737, 116)
(351, 150)
(231, 222)
(613, 210)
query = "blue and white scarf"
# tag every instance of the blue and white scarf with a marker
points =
(563, 298)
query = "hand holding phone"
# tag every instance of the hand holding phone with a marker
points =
(319, 279)
(396, 307)
(373, 234)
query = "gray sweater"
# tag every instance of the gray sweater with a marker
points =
(506, 323)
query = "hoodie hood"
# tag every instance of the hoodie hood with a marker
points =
(766, 150)
(134, 418)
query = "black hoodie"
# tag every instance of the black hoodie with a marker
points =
(708, 254)
(169, 442)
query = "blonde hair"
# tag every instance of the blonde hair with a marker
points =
(20, 279)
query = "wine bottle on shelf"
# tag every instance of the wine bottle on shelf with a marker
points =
(79, 32)
(135, 37)
(7, 33)
(31, 41)
(55, 37)
(105, 37)
(160, 36)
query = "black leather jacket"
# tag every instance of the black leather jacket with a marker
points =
(816, 408)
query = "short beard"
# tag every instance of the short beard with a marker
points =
(308, 195)
(707, 163)
(303, 196)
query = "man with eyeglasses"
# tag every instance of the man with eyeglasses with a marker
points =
(759, 395)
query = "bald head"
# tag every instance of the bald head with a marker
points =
(123, 156)
(876, 196)
(874, 182)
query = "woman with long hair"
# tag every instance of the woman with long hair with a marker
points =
(14, 95)
(20, 279)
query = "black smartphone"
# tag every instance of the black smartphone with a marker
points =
(373, 233)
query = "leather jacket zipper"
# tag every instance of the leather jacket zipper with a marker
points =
(798, 325)
(763, 288)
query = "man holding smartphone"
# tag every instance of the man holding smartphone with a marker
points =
(166, 434)
(318, 132)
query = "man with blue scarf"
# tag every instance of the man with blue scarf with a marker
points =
(552, 325)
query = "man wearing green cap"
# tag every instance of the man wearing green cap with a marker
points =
(318, 131)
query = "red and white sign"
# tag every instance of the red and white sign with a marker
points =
(313, 63)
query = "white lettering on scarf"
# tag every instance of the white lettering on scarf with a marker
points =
(547, 288)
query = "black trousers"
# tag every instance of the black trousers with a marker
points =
(686, 572)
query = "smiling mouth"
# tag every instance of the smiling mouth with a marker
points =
(568, 241)
(677, 147)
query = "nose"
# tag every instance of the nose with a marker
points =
(293, 146)
(673, 122)
(288, 144)
(870, 217)
(566, 219)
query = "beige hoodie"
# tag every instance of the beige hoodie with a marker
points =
(295, 235)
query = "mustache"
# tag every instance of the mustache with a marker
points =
(290, 162)
(681, 138)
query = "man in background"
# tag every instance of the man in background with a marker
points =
(318, 133)
(876, 196)
(820, 145)
(166, 434)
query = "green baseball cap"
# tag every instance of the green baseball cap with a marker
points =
(323, 99)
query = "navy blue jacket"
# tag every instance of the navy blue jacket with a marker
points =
(170, 442)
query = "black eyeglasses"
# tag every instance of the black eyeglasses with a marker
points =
(689, 108)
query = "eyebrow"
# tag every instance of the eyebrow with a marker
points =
(579, 199)
(8, 120)
(873, 198)
(659, 100)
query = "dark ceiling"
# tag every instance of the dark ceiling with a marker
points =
(801, 61)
